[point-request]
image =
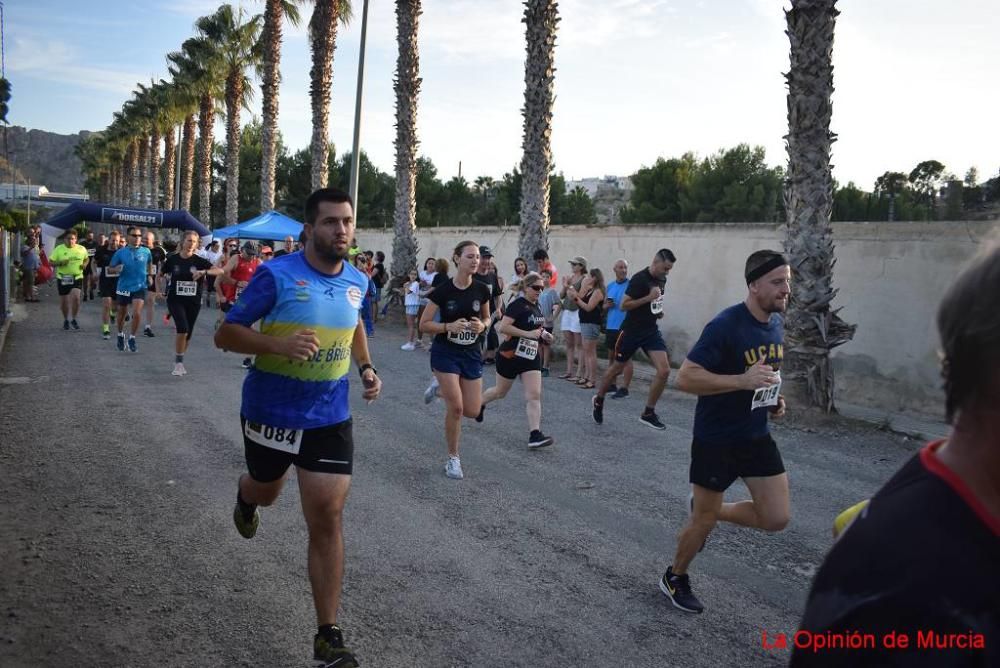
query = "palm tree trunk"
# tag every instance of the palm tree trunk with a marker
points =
(187, 162)
(541, 18)
(115, 184)
(407, 87)
(323, 29)
(133, 172)
(234, 98)
(105, 193)
(812, 328)
(206, 119)
(169, 167)
(143, 169)
(154, 168)
(271, 39)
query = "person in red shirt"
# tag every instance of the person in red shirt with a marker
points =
(541, 258)
(236, 274)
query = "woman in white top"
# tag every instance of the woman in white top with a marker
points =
(411, 302)
(426, 278)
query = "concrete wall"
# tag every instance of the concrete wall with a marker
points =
(890, 276)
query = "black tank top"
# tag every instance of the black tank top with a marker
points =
(593, 317)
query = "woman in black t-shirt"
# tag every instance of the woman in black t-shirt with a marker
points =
(520, 355)
(184, 272)
(455, 354)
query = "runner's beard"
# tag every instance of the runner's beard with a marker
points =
(329, 252)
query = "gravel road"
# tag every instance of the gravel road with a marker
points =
(117, 546)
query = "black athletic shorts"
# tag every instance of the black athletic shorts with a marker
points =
(184, 313)
(629, 342)
(65, 289)
(107, 287)
(323, 450)
(511, 366)
(611, 338)
(716, 467)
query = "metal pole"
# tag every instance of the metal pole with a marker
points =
(177, 171)
(356, 154)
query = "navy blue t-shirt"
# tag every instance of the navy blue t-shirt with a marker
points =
(729, 345)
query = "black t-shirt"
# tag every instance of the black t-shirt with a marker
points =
(91, 247)
(922, 558)
(439, 278)
(178, 271)
(159, 257)
(378, 275)
(644, 317)
(491, 281)
(526, 316)
(595, 316)
(456, 304)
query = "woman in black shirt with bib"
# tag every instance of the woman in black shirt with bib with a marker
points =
(521, 355)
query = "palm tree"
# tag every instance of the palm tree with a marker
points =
(275, 12)
(323, 39)
(185, 77)
(541, 18)
(812, 329)
(235, 39)
(198, 67)
(407, 87)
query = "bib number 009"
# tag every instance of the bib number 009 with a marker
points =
(466, 337)
(278, 438)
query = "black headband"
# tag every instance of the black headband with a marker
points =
(772, 264)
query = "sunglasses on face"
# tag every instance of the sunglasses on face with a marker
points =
(536, 288)
(136, 236)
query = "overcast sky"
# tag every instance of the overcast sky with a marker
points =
(635, 80)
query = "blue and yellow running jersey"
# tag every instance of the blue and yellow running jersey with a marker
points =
(287, 295)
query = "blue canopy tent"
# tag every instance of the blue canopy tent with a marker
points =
(270, 226)
(95, 212)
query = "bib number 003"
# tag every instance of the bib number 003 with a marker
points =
(278, 438)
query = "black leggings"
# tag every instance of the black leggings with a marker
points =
(184, 313)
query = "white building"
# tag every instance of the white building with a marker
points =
(9, 191)
(593, 185)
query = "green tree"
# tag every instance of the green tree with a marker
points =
(926, 179)
(658, 191)
(322, 42)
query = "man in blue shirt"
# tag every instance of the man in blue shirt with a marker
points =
(295, 408)
(134, 260)
(613, 307)
(734, 370)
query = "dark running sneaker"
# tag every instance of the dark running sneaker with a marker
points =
(66, 325)
(678, 590)
(76, 327)
(598, 412)
(121, 343)
(148, 331)
(482, 409)
(329, 650)
(247, 362)
(539, 440)
(620, 393)
(131, 345)
(649, 419)
(246, 517)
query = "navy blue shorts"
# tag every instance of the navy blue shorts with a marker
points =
(467, 364)
(716, 467)
(629, 342)
(126, 299)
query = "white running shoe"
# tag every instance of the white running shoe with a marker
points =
(453, 469)
(179, 370)
(431, 393)
(408, 346)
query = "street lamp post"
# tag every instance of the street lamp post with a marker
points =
(356, 154)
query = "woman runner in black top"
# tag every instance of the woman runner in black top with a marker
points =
(184, 272)
(456, 360)
(520, 355)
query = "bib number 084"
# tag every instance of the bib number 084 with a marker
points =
(278, 438)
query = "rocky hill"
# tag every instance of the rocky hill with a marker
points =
(45, 157)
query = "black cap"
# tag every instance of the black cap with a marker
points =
(484, 251)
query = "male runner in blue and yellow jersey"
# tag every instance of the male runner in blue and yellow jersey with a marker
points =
(295, 407)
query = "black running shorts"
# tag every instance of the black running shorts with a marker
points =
(716, 467)
(323, 450)
(629, 342)
(66, 288)
(184, 313)
(511, 366)
(107, 287)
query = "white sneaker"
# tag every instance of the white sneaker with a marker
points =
(179, 370)
(408, 346)
(453, 469)
(431, 393)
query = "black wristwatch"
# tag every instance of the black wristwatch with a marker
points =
(365, 367)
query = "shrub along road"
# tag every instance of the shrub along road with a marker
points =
(118, 546)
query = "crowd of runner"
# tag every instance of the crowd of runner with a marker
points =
(301, 314)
